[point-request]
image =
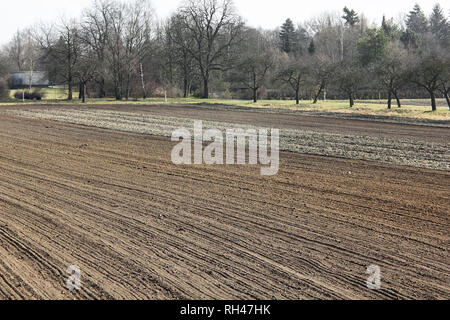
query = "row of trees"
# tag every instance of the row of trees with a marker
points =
(120, 49)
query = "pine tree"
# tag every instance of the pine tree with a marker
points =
(439, 26)
(384, 25)
(312, 47)
(390, 28)
(416, 21)
(287, 36)
(409, 39)
(350, 16)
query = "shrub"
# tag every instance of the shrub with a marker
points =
(18, 94)
(36, 95)
(28, 95)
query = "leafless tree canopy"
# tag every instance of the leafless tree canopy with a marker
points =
(120, 49)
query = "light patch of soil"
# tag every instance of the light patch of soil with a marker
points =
(402, 151)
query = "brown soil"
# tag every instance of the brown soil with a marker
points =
(437, 131)
(140, 227)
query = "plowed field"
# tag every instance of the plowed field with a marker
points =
(139, 227)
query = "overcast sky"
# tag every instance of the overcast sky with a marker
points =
(257, 13)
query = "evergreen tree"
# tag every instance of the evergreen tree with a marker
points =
(301, 41)
(373, 46)
(350, 16)
(287, 36)
(312, 47)
(390, 28)
(410, 39)
(384, 25)
(439, 26)
(416, 21)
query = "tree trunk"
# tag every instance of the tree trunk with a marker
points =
(389, 99)
(102, 87)
(116, 91)
(255, 89)
(316, 97)
(144, 92)
(445, 92)
(398, 99)
(81, 91)
(31, 79)
(205, 88)
(84, 92)
(118, 87)
(433, 100)
(297, 96)
(128, 87)
(70, 94)
(352, 102)
(447, 98)
(185, 88)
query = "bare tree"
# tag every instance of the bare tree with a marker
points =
(294, 73)
(16, 50)
(136, 31)
(444, 80)
(116, 46)
(5, 67)
(322, 71)
(257, 58)
(215, 28)
(86, 70)
(62, 46)
(95, 24)
(328, 52)
(23, 52)
(327, 30)
(31, 56)
(391, 71)
(180, 45)
(427, 72)
(349, 79)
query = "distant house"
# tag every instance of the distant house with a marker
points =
(19, 80)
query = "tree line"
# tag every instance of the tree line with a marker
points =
(205, 49)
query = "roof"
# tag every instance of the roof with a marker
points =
(22, 79)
